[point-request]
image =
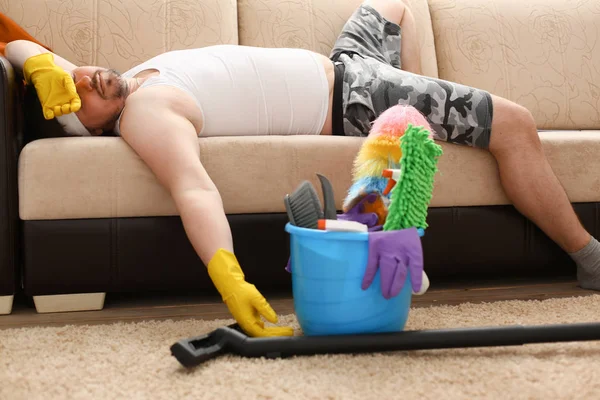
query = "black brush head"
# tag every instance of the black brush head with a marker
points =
(303, 206)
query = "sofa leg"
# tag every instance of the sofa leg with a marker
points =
(69, 302)
(6, 303)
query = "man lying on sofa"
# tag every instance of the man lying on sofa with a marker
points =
(162, 106)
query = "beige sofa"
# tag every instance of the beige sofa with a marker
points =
(95, 220)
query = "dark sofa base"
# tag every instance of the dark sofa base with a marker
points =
(10, 128)
(153, 253)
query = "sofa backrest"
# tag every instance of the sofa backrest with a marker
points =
(315, 25)
(122, 33)
(540, 53)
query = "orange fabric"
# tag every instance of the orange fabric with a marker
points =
(378, 207)
(10, 30)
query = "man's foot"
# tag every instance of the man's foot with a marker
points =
(588, 279)
(588, 265)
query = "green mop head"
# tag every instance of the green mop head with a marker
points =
(410, 197)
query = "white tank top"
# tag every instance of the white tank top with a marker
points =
(243, 90)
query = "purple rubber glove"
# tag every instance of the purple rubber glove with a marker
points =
(395, 254)
(357, 214)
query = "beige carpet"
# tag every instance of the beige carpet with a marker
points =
(132, 361)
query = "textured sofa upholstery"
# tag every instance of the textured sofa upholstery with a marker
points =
(95, 220)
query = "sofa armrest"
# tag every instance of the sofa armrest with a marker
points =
(10, 146)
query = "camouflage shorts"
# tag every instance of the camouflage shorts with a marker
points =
(369, 51)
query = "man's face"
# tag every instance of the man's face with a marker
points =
(103, 93)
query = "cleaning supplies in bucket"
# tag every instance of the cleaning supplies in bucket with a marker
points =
(328, 271)
(385, 255)
(343, 278)
(303, 208)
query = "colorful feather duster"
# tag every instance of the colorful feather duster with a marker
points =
(379, 152)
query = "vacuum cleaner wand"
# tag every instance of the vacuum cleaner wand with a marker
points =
(232, 340)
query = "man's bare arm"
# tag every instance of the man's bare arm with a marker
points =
(168, 143)
(18, 51)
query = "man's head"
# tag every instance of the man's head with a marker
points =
(103, 93)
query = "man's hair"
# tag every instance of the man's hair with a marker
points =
(34, 124)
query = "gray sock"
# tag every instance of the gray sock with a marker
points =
(588, 265)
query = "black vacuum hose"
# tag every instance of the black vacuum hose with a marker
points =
(231, 339)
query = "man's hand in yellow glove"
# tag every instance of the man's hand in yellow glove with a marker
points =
(244, 301)
(55, 87)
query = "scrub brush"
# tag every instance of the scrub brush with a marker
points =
(303, 206)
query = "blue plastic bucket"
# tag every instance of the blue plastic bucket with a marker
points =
(327, 271)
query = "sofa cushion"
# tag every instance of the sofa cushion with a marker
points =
(98, 177)
(541, 54)
(123, 33)
(315, 25)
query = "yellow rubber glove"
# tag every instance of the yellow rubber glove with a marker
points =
(244, 301)
(55, 87)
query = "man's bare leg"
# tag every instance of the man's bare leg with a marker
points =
(525, 174)
(399, 12)
(533, 188)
